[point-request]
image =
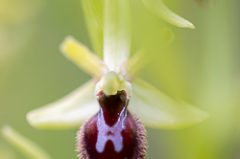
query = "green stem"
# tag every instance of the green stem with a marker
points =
(27, 147)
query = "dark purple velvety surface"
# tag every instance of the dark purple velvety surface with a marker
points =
(111, 133)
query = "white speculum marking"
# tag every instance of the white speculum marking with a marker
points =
(110, 133)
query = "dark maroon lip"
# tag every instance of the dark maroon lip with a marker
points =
(113, 133)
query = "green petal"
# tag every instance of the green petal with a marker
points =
(27, 147)
(69, 112)
(159, 8)
(93, 10)
(82, 56)
(116, 32)
(157, 110)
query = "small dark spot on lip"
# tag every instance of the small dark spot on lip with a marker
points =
(110, 133)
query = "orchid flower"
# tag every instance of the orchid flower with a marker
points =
(154, 108)
(113, 74)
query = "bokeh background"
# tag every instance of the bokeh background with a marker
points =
(200, 66)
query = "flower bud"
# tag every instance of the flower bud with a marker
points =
(113, 133)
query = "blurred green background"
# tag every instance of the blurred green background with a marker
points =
(200, 66)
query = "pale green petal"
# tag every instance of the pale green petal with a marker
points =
(82, 56)
(93, 10)
(158, 7)
(157, 110)
(116, 32)
(69, 112)
(27, 147)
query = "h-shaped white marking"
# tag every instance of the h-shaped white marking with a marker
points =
(112, 133)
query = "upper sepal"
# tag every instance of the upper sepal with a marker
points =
(116, 31)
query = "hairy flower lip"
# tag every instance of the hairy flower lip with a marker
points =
(140, 149)
(103, 137)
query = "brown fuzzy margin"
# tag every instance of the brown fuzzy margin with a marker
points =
(141, 148)
(81, 147)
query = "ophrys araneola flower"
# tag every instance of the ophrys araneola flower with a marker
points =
(109, 105)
